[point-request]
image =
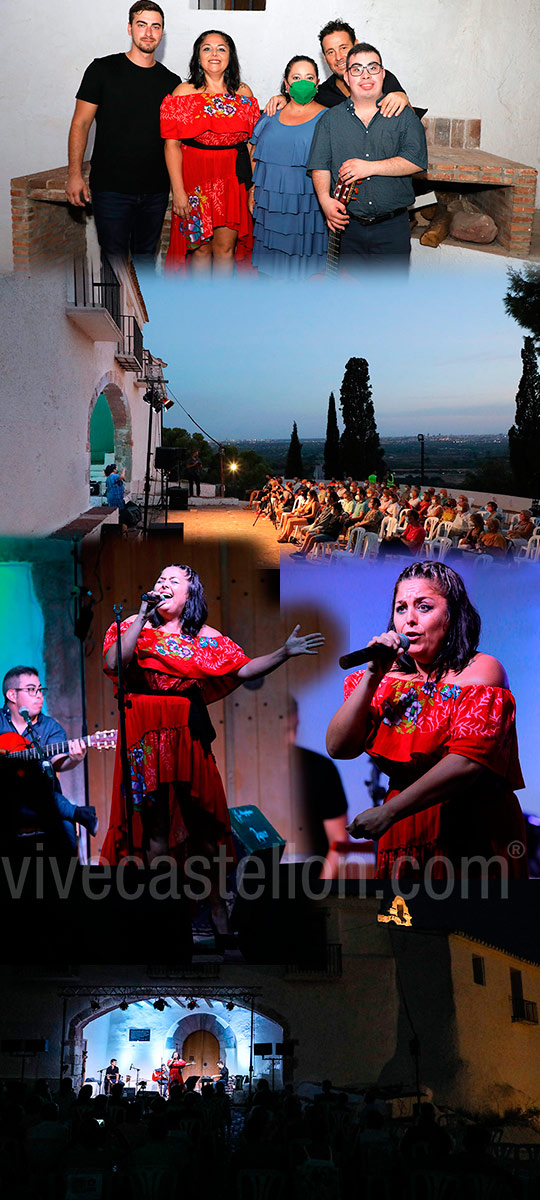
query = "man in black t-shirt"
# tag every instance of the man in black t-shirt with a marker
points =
(129, 182)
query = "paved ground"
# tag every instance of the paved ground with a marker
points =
(236, 522)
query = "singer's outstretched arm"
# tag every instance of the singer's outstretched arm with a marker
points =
(349, 727)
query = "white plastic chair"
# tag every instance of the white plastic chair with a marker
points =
(388, 527)
(353, 548)
(370, 548)
(530, 552)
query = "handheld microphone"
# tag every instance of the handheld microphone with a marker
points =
(153, 598)
(370, 653)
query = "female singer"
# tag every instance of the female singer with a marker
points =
(174, 665)
(440, 722)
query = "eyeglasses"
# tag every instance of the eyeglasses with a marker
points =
(32, 690)
(371, 68)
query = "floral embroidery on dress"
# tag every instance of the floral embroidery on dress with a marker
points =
(450, 691)
(207, 641)
(139, 756)
(174, 646)
(221, 106)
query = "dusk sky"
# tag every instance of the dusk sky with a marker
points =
(443, 355)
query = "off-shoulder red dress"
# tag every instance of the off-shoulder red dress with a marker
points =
(222, 124)
(169, 682)
(412, 727)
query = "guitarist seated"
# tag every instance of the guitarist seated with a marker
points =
(23, 693)
(354, 144)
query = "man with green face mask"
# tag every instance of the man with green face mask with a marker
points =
(354, 145)
(290, 235)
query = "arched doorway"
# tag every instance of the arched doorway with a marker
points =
(201, 1051)
(142, 1037)
(109, 432)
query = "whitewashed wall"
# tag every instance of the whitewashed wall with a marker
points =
(459, 58)
(50, 372)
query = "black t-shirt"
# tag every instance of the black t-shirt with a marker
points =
(128, 152)
(329, 94)
(318, 796)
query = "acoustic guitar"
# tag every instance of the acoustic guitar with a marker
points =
(14, 745)
(344, 192)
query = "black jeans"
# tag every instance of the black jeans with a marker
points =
(387, 243)
(129, 224)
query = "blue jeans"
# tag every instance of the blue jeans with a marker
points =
(129, 224)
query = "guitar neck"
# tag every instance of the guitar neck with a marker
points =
(332, 254)
(46, 751)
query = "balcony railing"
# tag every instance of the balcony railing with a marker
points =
(93, 289)
(524, 1010)
(130, 349)
(327, 962)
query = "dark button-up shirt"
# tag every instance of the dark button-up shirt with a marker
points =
(340, 135)
(48, 732)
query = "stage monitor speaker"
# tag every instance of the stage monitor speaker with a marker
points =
(285, 1049)
(178, 497)
(129, 1093)
(253, 831)
(262, 1048)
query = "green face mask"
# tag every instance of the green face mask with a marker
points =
(302, 90)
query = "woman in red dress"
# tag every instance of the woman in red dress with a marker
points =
(175, 1064)
(207, 123)
(174, 665)
(440, 722)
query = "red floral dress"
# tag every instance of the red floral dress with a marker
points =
(412, 727)
(216, 196)
(169, 682)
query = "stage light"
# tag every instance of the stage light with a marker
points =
(124, 1005)
(233, 466)
(168, 403)
(192, 1004)
(229, 1006)
(161, 1004)
(94, 1005)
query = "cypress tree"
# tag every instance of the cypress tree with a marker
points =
(294, 465)
(522, 300)
(332, 452)
(524, 436)
(360, 447)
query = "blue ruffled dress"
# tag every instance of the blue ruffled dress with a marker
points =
(290, 236)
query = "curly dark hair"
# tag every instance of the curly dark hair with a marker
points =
(337, 26)
(297, 58)
(464, 624)
(195, 609)
(232, 73)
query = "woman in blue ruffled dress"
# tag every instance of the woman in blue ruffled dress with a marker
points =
(290, 236)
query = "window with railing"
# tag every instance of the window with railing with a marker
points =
(96, 287)
(524, 1010)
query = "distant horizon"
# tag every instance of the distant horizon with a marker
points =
(441, 350)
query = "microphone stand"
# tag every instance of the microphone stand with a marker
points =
(82, 621)
(122, 705)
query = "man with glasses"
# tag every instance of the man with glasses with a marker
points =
(23, 691)
(353, 143)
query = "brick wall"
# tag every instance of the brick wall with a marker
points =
(46, 230)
